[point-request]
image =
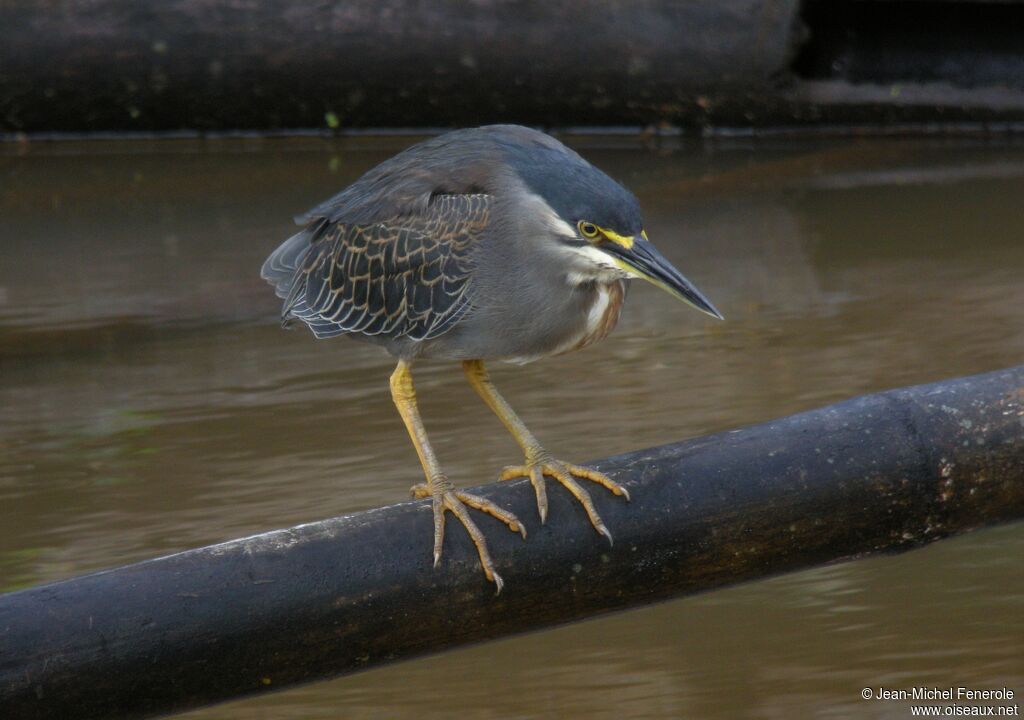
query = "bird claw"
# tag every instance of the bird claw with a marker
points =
(456, 502)
(566, 473)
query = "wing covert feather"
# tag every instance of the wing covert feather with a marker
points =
(403, 278)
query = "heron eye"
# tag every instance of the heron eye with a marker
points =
(588, 230)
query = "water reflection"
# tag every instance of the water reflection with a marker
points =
(148, 401)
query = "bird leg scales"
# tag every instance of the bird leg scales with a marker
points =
(438, 487)
(539, 462)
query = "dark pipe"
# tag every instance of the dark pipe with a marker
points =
(114, 66)
(147, 65)
(884, 472)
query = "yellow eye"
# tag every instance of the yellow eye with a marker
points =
(587, 229)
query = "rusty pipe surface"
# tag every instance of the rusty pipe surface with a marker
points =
(884, 472)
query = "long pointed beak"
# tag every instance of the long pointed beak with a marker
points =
(644, 260)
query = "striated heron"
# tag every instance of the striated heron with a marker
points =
(492, 243)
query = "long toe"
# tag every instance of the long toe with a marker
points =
(536, 475)
(484, 505)
(458, 503)
(566, 474)
(599, 477)
(453, 504)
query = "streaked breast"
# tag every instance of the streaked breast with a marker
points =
(603, 314)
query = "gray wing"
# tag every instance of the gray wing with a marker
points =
(406, 277)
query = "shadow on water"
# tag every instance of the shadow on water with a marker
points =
(150, 403)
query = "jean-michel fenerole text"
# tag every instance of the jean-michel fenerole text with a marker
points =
(937, 693)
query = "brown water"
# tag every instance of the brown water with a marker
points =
(150, 403)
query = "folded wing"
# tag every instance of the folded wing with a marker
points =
(406, 277)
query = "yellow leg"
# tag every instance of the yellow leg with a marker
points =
(438, 487)
(538, 462)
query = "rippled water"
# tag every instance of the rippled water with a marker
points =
(150, 403)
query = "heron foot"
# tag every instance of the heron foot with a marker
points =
(541, 464)
(456, 502)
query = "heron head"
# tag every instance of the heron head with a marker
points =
(597, 221)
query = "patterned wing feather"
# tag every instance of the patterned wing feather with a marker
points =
(406, 277)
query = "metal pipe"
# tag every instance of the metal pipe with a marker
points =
(145, 66)
(880, 473)
(193, 66)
